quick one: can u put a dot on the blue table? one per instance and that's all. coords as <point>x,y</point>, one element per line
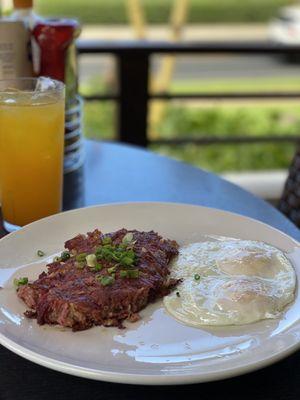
<point>119,173</point>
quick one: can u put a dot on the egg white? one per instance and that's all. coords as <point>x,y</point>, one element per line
<point>241,282</point>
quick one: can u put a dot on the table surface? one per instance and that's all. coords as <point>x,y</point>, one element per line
<point>119,173</point>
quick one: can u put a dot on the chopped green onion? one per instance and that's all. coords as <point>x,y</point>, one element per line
<point>65,255</point>
<point>115,256</point>
<point>105,253</point>
<point>133,273</point>
<point>127,260</point>
<point>91,260</point>
<point>127,239</point>
<point>123,274</point>
<point>98,267</point>
<point>81,257</point>
<point>197,277</point>
<point>56,259</point>
<point>99,257</point>
<point>130,253</point>
<point>79,264</point>
<point>20,281</point>
<point>118,254</point>
<point>40,253</point>
<point>111,270</point>
<point>106,280</point>
<point>106,240</point>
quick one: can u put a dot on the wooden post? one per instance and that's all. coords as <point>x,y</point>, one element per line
<point>136,17</point>
<point>161,82</point>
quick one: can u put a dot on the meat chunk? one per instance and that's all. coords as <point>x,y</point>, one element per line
<point>128,269</point>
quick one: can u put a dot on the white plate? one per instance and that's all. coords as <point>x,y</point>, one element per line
<point>157,349</point>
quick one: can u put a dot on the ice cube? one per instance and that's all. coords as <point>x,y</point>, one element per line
<point>43,84</point>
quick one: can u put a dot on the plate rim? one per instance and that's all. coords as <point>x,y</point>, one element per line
<point>123,203</point>
<point>143,379</point>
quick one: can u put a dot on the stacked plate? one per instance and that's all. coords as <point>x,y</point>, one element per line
<point>74,153</point>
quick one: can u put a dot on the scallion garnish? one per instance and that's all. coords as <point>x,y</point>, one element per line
<point>127,238</point>
<point>133,273</point>
<point>197,277</point>
<point>40,253</point>
<point>106,240</point>
<point>65,255</point>
<point>130,253</point>
<point>123,274</point>
<point>20,281</point>
<point>121,255</point>
<point>91,260</point>
<point>127,261</point>
<point>97,267</point>
<point>81,257</point>
<point>106,280</point>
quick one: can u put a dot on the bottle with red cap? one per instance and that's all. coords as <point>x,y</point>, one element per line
<point>54,55</point>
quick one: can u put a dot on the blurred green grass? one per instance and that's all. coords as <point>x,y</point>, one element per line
<point>158,11</point>
<point>219,121</point>
<point>233,120</point>
<point>213,119</point>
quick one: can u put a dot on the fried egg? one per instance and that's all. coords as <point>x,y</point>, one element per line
<point>230,282</point>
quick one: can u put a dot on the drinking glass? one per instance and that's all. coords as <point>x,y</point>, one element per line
<point>31,149</point>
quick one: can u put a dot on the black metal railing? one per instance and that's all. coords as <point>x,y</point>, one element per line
<point>133,62</point>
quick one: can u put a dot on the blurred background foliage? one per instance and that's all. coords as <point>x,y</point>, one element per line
<point>212,120</point>
<point>158,11</point>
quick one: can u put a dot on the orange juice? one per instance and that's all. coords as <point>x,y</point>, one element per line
<point>31,157</point>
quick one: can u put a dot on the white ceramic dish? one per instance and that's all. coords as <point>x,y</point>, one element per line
<point>157,349</point>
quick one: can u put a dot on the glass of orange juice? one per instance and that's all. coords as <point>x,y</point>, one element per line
<point>31,149</point>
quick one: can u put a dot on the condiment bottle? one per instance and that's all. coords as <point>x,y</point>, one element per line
<point>15,54</point>
<point>54,52</point>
